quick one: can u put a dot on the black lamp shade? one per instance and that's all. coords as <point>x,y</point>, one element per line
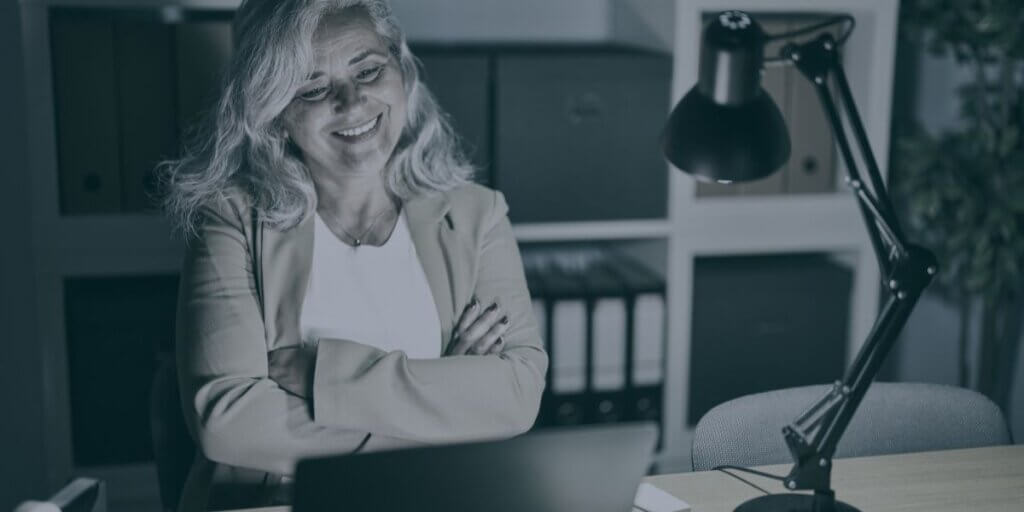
<point>727,128</point>
<point>725,143</point>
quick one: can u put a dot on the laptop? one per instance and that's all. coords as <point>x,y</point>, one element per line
<point>592,469</point>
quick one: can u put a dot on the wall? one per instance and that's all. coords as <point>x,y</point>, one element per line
<point>22,470</point>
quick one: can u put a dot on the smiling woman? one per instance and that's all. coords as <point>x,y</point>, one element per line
<point>348,116</point>
<point>333,294</point>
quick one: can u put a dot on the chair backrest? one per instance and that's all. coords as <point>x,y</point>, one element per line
<point>892,418</point>
<point>173,447</point>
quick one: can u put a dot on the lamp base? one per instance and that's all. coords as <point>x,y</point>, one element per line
<point>794,503</point>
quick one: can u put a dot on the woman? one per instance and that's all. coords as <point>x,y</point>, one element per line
<point>345,288</point>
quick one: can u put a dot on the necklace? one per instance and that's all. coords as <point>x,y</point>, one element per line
<point>358,240</point>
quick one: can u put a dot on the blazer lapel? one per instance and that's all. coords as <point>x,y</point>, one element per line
<point>445,256</point>
<point>286,258</point>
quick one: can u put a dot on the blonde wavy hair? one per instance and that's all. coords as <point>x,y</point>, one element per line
<point>240,143</point>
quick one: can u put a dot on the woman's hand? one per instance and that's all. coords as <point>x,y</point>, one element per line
<point>479,332</point>
<point>292,369</point>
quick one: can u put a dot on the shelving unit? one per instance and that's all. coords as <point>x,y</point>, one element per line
<point>142,244</point>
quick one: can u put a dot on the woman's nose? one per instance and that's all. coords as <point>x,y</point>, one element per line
<point>345,97</point>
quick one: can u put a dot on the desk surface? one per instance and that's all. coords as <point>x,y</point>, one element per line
<point>976,480</point>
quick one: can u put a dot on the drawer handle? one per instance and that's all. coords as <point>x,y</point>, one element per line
<point>810,165</point>
<point>585,107</point>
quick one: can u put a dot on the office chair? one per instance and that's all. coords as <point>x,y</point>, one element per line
<point>893,418</point>
<point>173,447</point>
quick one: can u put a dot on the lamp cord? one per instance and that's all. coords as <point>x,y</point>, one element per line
<point>744,480</point>
<point>726,467</point>
<point>835,20</point>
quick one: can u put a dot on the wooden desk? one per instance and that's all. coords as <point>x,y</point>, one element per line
<point>974,480</point>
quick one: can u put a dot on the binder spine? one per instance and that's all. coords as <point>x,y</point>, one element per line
<point>603,291</point>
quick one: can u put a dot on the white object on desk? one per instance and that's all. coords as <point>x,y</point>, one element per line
<point>77,494</point>
<point>37,506</point>
<point>652,499</point>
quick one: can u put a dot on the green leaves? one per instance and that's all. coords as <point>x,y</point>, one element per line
<point>962,197</point>
<point>1009,141</point>
<point>953,25</point>
<point>962,192</point>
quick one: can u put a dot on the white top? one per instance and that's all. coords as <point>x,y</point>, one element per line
<point>376,296</point>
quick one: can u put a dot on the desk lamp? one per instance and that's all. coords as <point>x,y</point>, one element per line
<point>726,129</point>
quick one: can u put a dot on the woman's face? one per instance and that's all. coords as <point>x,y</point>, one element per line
<point>347,117</point>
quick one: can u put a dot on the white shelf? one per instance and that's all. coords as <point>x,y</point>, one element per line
<point>594,230</point>
<point>771,224</point>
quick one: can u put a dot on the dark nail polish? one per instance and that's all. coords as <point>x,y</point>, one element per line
<point>504,320</point>
<point>499,341</point>
<point>493,307</point>
<point>473,304</point>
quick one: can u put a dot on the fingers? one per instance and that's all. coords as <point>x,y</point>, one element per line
<point>491,337</point>
<point>496,348</point>
<point>483,323</point>
<point>468,315</point>
<point>478,331</point>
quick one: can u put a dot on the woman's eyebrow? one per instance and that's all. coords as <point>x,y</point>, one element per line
<point>364,54</point>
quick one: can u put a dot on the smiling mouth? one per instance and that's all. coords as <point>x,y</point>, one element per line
<point>361,132</point>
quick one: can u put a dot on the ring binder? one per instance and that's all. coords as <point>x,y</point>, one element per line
<point>603,322</point>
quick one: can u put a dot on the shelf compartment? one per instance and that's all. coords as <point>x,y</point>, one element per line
<point>128,84</point>
<point>116,327</point>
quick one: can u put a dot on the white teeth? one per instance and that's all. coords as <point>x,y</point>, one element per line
<point>359,130</point>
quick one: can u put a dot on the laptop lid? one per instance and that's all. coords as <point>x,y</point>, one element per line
<point>593,469</point>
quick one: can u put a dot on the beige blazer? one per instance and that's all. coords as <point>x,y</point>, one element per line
<point>241,290</point>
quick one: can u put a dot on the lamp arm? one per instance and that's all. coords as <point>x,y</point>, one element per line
<point>907,269</point>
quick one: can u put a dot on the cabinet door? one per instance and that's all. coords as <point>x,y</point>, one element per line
<point>578,136</point>
<point>115,328</point>
<point>461,83</point>
<point>765,322</point>
<point>202,51</point>
<point>125,85</point>
<point>87,132</point>
<point>145,81</point>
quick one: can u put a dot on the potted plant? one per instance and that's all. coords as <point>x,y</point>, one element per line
<point>962,191</point>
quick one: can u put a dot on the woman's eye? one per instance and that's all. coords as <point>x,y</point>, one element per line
<point>369,74</point>
<point>314,94</point>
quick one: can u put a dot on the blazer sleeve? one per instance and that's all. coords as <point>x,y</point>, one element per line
<point>236,413</point>
<point>451,399</point>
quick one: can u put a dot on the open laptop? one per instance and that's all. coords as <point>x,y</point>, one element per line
<point>592,469</point>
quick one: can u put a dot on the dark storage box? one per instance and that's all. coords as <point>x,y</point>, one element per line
<point>766,322</point>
